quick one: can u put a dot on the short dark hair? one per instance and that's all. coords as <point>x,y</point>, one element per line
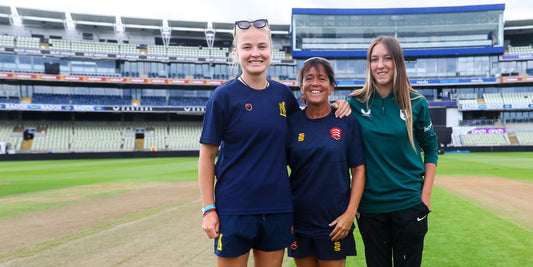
<point>314,62</point>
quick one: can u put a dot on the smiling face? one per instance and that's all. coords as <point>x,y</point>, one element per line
<point>254,50</point>
<point>382,67</point>
<point>316,86</point>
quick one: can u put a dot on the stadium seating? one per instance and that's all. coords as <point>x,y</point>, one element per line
<point>122,48</point>
<point>479,68</point>
<point>184,135</point>
<point>155,135</point>
<point>153,101</point>
<point>187,101</point>
<point>517,98</point>
<point>498,98</point>
<point>485,139</point>
<point>107,136</point>
<point>92,136</point>
<point>7,41</point>
<point>520,50</point>
<point>9,100</point>
<point>466,102</point>
<point>60,45</point>
<point>50,99</point>
<point>28,42</point>
<point>524,138</point>
<point>494,98</point>
<point>58,138</point>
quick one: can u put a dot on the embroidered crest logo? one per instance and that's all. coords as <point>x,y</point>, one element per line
<point>248,106</point>
<point>301,137</point>
<point>402,114</point>
<point>367,113</point>
<point>282,110</point>
<point>294,245</point>
<point>336,133</point>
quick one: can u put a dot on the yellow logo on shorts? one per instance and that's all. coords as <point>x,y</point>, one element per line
<point>219,246</point>
<point>337,246</point>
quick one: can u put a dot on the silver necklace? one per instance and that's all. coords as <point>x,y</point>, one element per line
<point>241,79</point>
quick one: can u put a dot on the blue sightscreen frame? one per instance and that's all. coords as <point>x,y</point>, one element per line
<point>413,52</point>
<point>408,10</point>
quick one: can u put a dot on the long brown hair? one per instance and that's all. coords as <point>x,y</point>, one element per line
<point>401,87</point>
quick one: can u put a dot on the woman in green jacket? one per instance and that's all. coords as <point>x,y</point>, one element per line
<point>396,128</point>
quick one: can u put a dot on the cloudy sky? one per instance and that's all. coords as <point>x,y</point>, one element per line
<point>276,11</point>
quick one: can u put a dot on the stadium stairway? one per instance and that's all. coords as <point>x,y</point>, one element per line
<point>139,144</point>
<point>512,139</point>
<point>26,145</point>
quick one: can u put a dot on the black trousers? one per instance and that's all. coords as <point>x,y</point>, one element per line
<point>394,236</point>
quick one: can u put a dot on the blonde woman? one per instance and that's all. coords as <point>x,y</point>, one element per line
<point>245,125</point>
<point>396,128</point>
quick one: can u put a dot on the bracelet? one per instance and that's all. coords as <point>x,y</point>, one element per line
<point>208,211</point>
<point>206,208</point>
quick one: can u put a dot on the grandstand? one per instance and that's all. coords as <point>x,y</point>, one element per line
<point>73,82</point>
<point>95,136</point>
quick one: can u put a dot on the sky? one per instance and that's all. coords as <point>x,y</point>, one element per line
<point>276,11</point>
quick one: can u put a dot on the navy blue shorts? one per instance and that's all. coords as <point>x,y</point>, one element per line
<point>240,233</point>
<point>322,248</point>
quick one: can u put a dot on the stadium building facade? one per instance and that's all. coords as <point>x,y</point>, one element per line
<point>83,83</point>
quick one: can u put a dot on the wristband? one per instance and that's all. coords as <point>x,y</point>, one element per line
<point>208,211</point>
<point>206,208</point>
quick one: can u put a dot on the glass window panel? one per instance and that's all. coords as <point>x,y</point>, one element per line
<point>421,67</point>
<point>189,69</point>
<point>136,68</point>
<point>24,62</point>
<point>360,68</point>
<point>105,66</point>
<point>410,67</point>
<point>7,61</point>
<point>76,66</point>
<point>38,62</point>
<point>455,29</point>
<point>273,71</point>
<point>126,67</point>
<point>451,67</point>
<point>469,66</point>
<point>441,67</point>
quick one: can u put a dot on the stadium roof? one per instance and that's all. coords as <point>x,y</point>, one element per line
<point>518,26</point>
<point>5,11</point>
<point>93,18</point>
<point>41,14</point>
<point>38,18</point>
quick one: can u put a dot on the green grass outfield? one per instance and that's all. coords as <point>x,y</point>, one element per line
<point>461,233</point>
<point>464,234</point>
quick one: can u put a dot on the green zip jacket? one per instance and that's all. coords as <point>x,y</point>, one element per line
<point>395,171</point>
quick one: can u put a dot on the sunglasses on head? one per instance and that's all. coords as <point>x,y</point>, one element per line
<point>316,59</point>
<point>245,24</point>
